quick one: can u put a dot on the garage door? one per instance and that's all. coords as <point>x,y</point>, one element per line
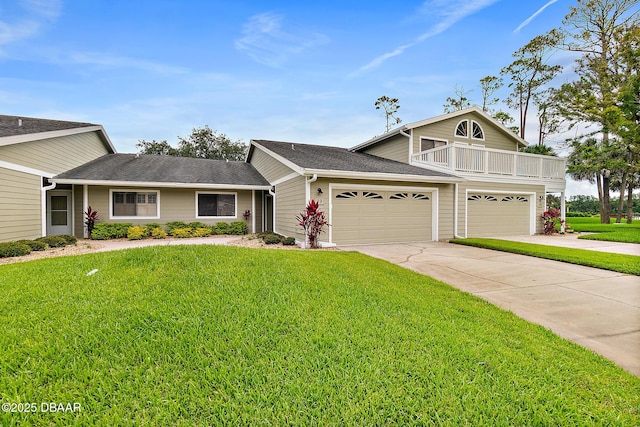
<point>491,215</point>
<point>374,216</point>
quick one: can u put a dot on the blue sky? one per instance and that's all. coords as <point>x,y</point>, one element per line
<point>285,70</point>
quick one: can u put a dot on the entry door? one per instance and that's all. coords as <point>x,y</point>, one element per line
<point>59,213</point>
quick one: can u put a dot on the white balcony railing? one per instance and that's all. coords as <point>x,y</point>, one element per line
<point>469,159</point>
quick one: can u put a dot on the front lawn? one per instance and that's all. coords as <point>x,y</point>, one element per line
<point>210,335</point>
<point>629,264</point>
<point>623,232</point>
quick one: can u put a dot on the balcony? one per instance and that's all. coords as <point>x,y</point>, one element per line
<point>478,160</point>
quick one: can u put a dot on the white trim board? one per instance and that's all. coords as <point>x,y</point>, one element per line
<point>25,169</point>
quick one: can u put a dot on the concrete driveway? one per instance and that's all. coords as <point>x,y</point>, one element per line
<point>597,309</point>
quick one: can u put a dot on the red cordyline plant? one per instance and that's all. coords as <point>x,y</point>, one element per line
<point>313,222</point>
<point>551,219</point>
<point>91,217</point>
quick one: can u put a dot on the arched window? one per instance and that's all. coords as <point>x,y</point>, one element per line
<point>476,130</point>
<point>463,129</point>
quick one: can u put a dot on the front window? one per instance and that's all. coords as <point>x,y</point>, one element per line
<point>134,204</point>
<point>215,205</point>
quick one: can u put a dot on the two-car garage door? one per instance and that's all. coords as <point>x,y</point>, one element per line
<point>377,215</point>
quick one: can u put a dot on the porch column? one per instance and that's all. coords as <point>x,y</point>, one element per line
<point>253,211</point>
<point>85,207</point>
<point>563,208</point>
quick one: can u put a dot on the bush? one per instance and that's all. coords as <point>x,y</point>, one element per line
<point>221,228</point>
<point>175,224</point>
<point>35,245</point>
<point>71,240</point>
<point>551,220</point>
<point>158,233</point>
<point>237,228</point>
<point>113,230</point>
<point>11,249</point>
<point>182,233</point>
<point>136,232</point>
<point>271,238</point>
<point>196,225</point>
<point>289,241</point>
<point>152,226</point>
<point>202,232</point>
<point>53,241</point>
<point>578,214</point>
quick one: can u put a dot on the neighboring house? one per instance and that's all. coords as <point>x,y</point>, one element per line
<point>456,175</point>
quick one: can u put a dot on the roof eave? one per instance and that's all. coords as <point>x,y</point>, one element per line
<point>159,184</point>
<point>379,138</point>
<point>326,173</point>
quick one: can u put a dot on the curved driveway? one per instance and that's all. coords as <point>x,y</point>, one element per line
<point>595,308</point>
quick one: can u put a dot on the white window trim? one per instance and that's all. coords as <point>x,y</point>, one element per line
<point>133,190</point>
<point>446,141</point>
<point>471,131</point>
<point>235,207</point>
<point>455,129</point>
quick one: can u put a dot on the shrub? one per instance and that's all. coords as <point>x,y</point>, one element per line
<point>152,226</point>
<point>175,224</point>
<point>71,240</point>
<point>578,214</point>
<point>221,228</point>
<point>35,245</point>
<point>91,217</point>
<point>289,241</point>
<point>11,249</point>
<point>182,233</point>
<point>197,224</point>
<point>202,232</point>
<point>158,233</point>
<point>313,221</point>
<point>113,230</point>
<point>53,241</point>
<point>136,232</point>
<point>551,220</point>
<point>238,228</point>
<point>272,239</point>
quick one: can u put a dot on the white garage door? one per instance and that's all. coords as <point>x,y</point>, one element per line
<point>490,215</point>
<point>374,216</point>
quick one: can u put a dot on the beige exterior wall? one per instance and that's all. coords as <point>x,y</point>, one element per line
<point>56,155</point>
<point>257,213</point>
<point>494,136</point>
<point>396,148</point>
<point>290,202</point>
<point>175,205</point>
<point>269,167</point>
<point>20,205</point>
<point>500,188</point>
<point>78,212</point>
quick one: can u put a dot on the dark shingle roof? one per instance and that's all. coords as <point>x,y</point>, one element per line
<point>17,125</point>
<point>144,168</point>
<point>341,159</point>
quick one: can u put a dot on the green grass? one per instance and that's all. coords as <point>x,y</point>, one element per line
<point>206,335</point>
<point>629,264</point>
<point>623,232</point>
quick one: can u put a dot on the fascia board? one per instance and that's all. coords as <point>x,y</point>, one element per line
<point>160,184</point>
<point>279,158</point>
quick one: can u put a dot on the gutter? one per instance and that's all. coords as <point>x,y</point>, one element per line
<point>308,181</point>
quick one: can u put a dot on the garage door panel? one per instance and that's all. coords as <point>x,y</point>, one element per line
<point>491,215</point>
<point>374,216</point>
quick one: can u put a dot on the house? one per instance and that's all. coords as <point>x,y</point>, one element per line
<point>456,175</point>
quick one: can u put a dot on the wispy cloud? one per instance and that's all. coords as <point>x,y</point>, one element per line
<point>107,60</point>
<point>532,17</point>
<point>27,20</point>
<point>446,12</point>
<point>266,42</point>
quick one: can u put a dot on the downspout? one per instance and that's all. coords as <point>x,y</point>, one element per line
<point>314,178</point>
<point>43,204</point>
<point>410,144</point>
<point>455,212</point>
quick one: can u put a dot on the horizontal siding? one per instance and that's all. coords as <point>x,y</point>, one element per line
<point>290,202</point>
<point>495,136</point>
<point>78,212</point>
<point>20,206</point>
<point>55,155</point>
<point>175,205</point>
<point>396,148</point>
<point>269,167</point>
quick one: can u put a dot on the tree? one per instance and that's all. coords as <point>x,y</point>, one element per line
<point>459,102</point>
<point>529,72</point>
<point>548,118</point>
<point>506,119</point>
<point>545,150</point>
<point>490,85</point>
<point>203,143</point>
<point>390,106</point>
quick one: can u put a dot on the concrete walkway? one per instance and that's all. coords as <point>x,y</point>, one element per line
<point>572,241</point>
<point>597,309</point>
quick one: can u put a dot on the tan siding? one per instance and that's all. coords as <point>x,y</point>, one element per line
<point>396,148</point>
<point>55,155</point>
<point>257,214</point>
<point>175,205</point>
<point>269,167</point>
<point>290,201</point>
<point>20,206</point>
<point>78,213</point>
<point>445,129</point>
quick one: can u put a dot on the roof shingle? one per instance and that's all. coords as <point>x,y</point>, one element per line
<point>17,125</point>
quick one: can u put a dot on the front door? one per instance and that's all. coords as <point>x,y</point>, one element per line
<point>59,213</point>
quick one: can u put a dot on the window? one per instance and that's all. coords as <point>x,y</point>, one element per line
<point>347,195</point>
<point>215,205</point>
<point>477,131</point>
<point>430,143</point>
<point>134,204</point>
<point>463,129</point>
<point>371,195</point>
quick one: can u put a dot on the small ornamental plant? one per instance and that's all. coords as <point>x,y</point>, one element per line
<point>551,220</point>
<point>313,221</point>
<point>91,217</point>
